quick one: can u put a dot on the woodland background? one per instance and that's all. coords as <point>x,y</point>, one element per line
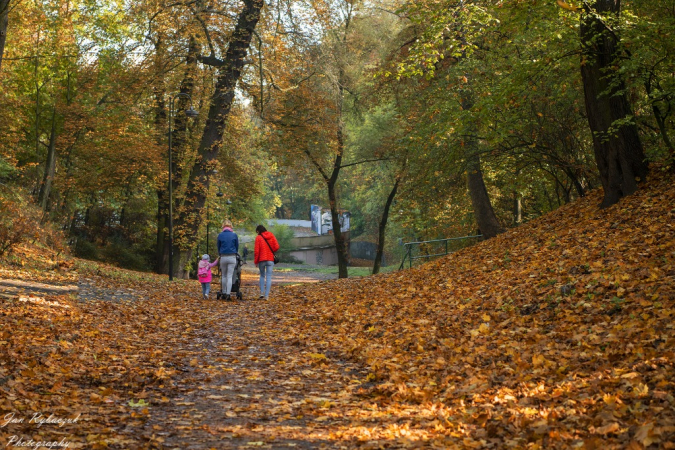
<point>432,118</point>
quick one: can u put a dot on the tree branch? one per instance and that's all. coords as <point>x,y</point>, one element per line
<point>364,161</point>
<point>210,60</point>
<point>317,165</point>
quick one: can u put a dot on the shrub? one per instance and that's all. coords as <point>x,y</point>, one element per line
<point>129,257</point>
<point>19,221</point>
<point>86,250</point>
<point>284,234</point>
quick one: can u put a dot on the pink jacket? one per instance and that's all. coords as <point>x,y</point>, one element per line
<point>205,263</point>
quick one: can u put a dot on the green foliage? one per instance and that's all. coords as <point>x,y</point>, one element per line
<point>6,169</point>
<point>416,90</point>
<point>284,234</point>
<point>86,250</point>
<point>133,258</point>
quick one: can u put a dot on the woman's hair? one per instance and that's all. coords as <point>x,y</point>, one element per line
<point>260,229</point>
<point>227,223</point>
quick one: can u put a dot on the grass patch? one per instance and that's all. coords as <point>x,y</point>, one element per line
<point>115,273</point>
<point>333,270</point>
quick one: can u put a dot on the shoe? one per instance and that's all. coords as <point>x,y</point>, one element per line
<point>228,298</point>
<point>261,297</point>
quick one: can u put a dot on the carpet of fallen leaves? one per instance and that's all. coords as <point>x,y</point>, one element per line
<point>557,334</point>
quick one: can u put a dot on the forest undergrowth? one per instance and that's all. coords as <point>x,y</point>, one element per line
<point>557,334</point>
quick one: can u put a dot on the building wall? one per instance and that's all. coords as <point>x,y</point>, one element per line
<point>291,222</point>
<point>312,241</point>
<point>317,256</point>
<point>364,250</point>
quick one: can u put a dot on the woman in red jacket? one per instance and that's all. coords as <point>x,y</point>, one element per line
<point>263,257</point>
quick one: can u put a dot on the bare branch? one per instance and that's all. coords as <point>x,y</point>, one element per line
<point>364,161</point>
<point>318,166</point>
<point>206,33</point>
<point>295,86</point>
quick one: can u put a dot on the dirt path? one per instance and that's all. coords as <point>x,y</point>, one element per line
<point>248,386</point>
<point>285,274</point>
<point>149,364</point>
<point>93,287</point>
<point>12,288</point>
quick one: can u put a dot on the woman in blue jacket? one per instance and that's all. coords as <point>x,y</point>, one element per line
<point>228,247</point>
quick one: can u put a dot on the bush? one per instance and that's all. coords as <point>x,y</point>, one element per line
<point>284,234</point>
<point>128,257</point>
<point>86,250</point>
<point>288,258</point>
<point>19,221</point>
<point>7,170</point>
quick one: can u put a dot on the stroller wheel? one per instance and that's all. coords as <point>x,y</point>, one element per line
<point>239,295</point>
<point>218,296</point>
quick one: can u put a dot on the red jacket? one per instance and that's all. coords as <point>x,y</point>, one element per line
<point>262,251</point>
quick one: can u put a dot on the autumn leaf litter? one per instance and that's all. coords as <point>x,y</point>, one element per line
<point>558,334</point>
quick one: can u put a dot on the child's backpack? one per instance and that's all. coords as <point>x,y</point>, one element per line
<point>203,272</point>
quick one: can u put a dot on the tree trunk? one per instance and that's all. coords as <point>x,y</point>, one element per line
<point>159,89</point>
<point>340,243</point>
<point>482,208</point>
<point>517,209</point>
<point>480,200</point>
<point>180,154</point>
<point>340,247</point>
<point>658,115</point>
<point>382,226</point>
<point>618,150</point>
<point>4,22</point>
<point>162,242</point>
<point>230,69</point>
<point>574,178</point>
<point>661,121</point>
<point>50,168</point>
<point>37,100</point>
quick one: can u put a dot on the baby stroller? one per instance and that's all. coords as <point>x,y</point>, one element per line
<point>236,281</point>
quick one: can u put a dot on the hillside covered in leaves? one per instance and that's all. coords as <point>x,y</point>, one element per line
<point>557,334</point>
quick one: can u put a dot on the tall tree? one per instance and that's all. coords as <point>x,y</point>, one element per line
<point>4,22</point>
<point>229,68</point>
<point>618,150</point>
<point>453,33</point>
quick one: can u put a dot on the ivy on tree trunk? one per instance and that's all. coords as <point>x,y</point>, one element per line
<point>616,143</point>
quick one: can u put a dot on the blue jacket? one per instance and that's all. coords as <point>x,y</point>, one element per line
<point>228,242</point>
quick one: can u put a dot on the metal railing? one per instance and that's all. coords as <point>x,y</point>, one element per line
<point>410,256</point>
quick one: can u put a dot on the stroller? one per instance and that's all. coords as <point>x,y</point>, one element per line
<point>236,281</point>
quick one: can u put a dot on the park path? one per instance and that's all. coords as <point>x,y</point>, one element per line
<point>245,385</point>
<point>149,364</point>
<point>286,274</point>
<point>96,287</point>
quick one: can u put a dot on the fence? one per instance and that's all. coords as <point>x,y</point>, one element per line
<point>435,248</point>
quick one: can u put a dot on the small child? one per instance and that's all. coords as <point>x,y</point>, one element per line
<point>204,274</point>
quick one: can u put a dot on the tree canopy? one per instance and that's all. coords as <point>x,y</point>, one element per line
<point>423,119</point>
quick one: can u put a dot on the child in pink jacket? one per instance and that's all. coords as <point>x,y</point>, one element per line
<point>204,274</point>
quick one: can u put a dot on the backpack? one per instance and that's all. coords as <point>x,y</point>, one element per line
<point>203,272</point>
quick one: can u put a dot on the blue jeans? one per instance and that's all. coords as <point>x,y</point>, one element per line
<point>206,288</point>
<point>265,277</point>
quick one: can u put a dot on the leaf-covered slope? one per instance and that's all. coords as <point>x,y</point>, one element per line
<point>559,332</point>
